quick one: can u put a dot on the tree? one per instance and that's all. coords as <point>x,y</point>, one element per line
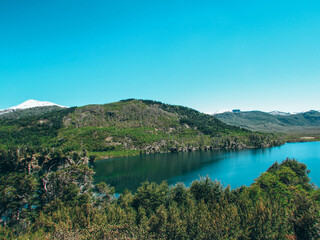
<point>68,184</point>
<point>305,218</point>
<point>17,197</point>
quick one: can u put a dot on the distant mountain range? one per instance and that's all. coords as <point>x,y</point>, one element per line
<point>275,112</point>
<point>127,127</point>
<point>299,123</point>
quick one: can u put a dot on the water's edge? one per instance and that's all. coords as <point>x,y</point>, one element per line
<point>231,167</point>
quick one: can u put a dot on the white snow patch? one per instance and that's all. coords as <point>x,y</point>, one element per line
<point>222,111</point>
<point>33,103</point>
<point>276,112</point>
<point>29,104</point>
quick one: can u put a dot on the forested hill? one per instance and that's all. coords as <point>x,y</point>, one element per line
<point>126,127</point>
<point>301,123</point>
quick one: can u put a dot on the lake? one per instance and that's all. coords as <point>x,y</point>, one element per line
<point>231,167</point>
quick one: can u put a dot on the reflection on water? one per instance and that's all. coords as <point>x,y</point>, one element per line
<point>231,167</point>
<point>131,171</point>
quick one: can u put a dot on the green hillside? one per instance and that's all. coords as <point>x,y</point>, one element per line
<point>307,123</point>
<point>127,127</point>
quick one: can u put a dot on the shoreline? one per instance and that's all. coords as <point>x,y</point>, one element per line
<point>108,157</point>
<point>136,153</point>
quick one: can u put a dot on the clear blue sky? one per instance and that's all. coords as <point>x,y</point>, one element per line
<point>207,55</point>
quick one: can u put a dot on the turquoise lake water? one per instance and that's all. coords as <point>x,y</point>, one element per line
<point>231,167</point>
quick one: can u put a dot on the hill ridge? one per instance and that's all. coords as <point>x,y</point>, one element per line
<point>128,127</point>
<point>299,123</point>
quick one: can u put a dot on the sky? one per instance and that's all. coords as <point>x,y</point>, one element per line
<point>207,55</point>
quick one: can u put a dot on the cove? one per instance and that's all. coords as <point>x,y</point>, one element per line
<point>231,167</point>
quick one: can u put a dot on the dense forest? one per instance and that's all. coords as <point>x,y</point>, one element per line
<point>48,194</point>
<point>128,127</point>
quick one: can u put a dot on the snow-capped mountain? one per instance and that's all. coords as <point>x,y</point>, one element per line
<point>33,103</point>
<point>29,104</point>
<point>290,113</point>
<point>280,113</point>
<point>275,113</point>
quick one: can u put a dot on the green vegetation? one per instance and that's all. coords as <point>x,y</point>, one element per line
<point>19,129</point>
<point>295,126</point>
<point>51,195</point>
<point>29,112</point>
<point>128,127</point>
<point>47,189</point>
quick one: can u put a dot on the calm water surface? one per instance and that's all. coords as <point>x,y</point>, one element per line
<point>234,168</point>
